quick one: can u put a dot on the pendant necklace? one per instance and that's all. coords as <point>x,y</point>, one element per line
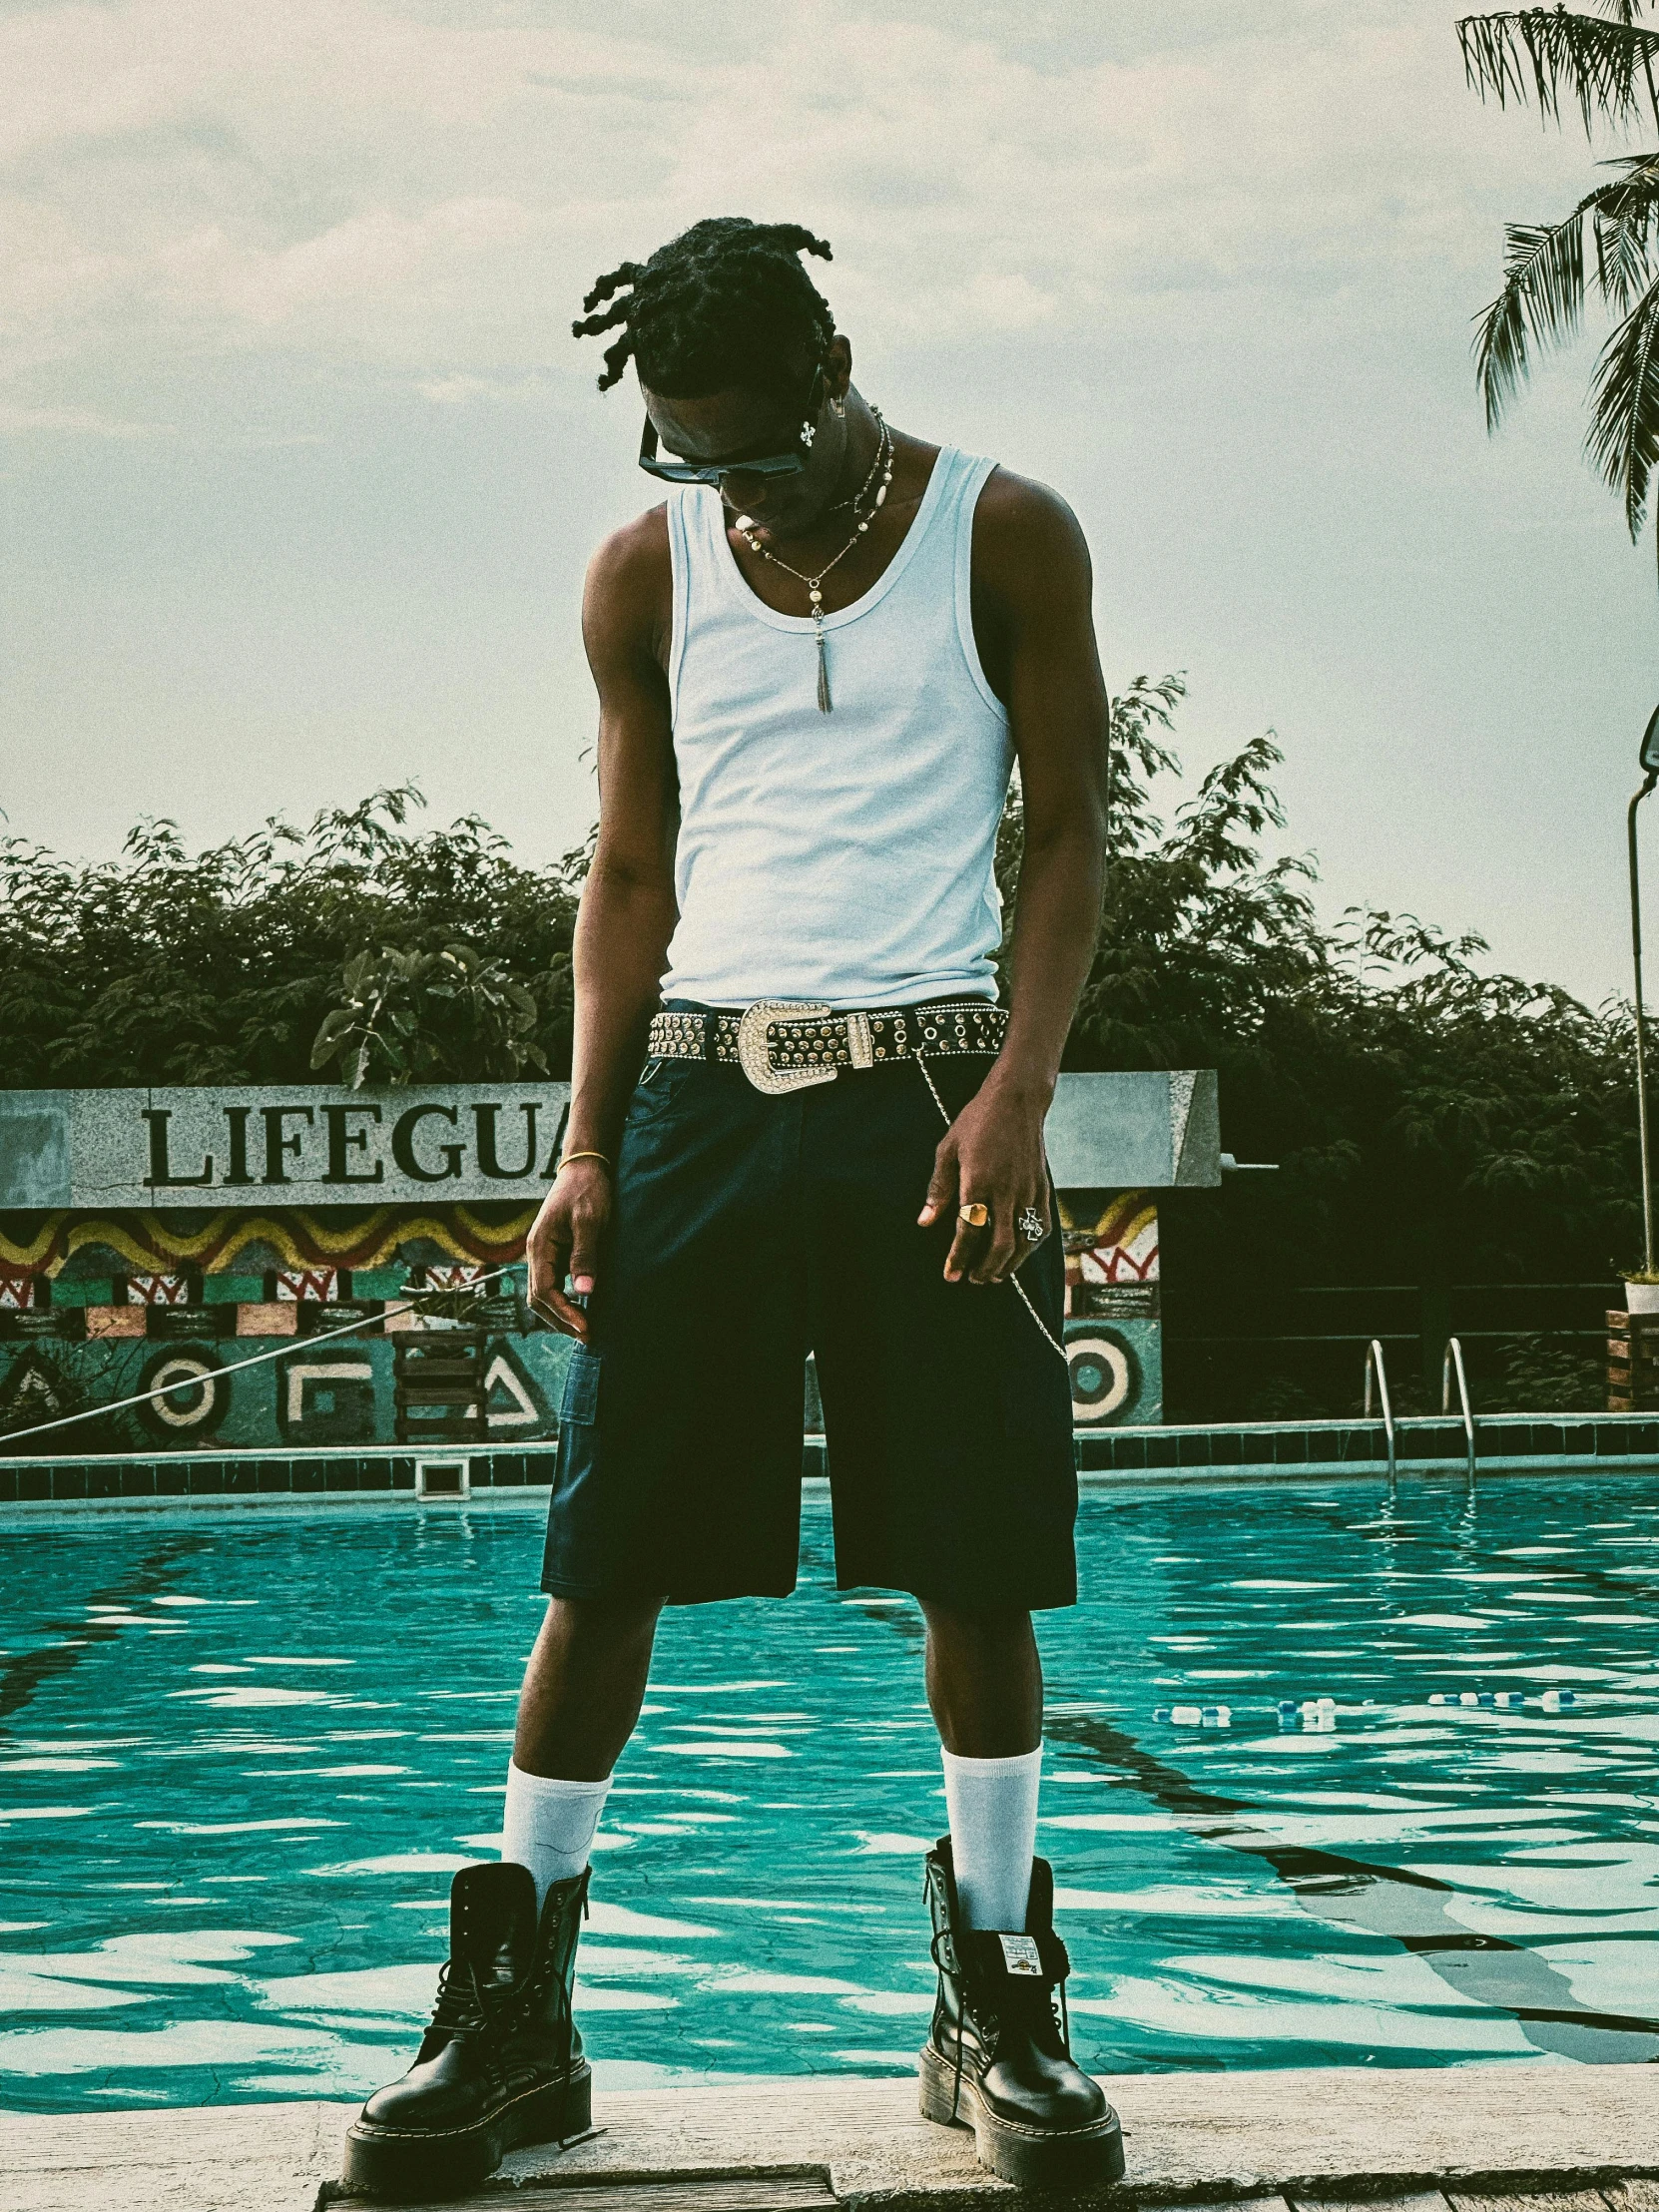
<point>882,467</point>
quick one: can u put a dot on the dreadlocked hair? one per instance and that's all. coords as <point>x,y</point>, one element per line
<point>724,303</point>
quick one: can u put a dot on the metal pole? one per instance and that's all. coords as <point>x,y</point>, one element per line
<point>1651,779</point>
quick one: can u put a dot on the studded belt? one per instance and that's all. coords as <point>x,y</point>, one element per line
<point>785,1044</point>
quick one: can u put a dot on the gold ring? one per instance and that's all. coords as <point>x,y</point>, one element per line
<point>975,1215</point>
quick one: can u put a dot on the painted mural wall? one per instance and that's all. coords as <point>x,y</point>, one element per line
<point>95,1307</point>
<point>154,1238</point>
<point>1114,1329</point>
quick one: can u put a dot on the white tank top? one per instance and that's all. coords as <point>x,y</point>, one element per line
<point>843,857</point>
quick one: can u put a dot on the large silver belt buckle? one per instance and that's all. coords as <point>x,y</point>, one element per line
<point>755,1058</point>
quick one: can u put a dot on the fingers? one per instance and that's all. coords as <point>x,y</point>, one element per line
<point>545,1248</point>
<point>990,1254</point>
<point>558,1313</point>
<point>941,1186</point>
<point>970,1243</point>
<point>565,1241</point>
<point>548,1250</point>
<point>997,1246</point>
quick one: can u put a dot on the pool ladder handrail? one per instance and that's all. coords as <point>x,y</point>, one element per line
<point>1454,1363</point>
<point>1376,1365</point>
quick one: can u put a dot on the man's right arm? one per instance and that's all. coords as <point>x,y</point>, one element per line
<point>627,913</point>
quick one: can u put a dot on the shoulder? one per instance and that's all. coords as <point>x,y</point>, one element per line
<point>1018,519</point>
<point>628,596</point>
<point>634,555</point>
<point>1030,559</point>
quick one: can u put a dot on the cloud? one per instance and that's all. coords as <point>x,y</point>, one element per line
<point>375,186</point>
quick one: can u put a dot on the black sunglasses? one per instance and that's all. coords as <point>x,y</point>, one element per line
<point>711,472</point>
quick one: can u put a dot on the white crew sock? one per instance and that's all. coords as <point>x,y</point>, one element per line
<point>548,1825</point>
<point>993,1833</point>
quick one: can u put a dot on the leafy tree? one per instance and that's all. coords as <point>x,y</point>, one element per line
<point>397,955</point>
<point>1430,1122</point>
<point>1604,66</point>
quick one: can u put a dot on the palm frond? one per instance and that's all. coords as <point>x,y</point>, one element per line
<point>1549,55</point>
<point>1544,277</point>
<point>1540,303</point>
<point>1625,220</point>
<point>1623,438</point>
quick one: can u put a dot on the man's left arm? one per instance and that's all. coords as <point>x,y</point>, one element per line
<point>1032,589</point>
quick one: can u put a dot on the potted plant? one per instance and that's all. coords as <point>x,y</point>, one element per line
<point>1641,1291</point>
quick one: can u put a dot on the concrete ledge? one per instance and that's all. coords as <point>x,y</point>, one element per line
<point>1319,2139</point>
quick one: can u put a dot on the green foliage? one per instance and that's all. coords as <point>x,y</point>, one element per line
<point>1541,1374</point>
<point>410,1015</point>
<point>396,955</point>
<point>1604,66</point>
<point>1432,1121</point>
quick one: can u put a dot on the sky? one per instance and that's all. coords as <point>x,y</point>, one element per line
<point>299,465</point>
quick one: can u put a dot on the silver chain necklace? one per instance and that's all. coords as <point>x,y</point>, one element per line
<point>883,467</point>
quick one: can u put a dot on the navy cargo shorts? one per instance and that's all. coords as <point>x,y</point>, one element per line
<point>746,1230</point>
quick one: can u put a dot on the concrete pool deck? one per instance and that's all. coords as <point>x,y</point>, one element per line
<point>1521,2137</point>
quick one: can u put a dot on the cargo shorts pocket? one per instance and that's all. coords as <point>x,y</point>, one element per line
<point>580,1399</point>
<point>662,1083</point>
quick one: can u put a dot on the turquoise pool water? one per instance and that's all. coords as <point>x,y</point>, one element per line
<point>242,1751</point>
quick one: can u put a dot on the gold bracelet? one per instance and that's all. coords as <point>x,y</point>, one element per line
<point>569,1156</point>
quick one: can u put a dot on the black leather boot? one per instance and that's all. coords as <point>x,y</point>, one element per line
<point>501,2064</point>
<point>999,2059</point>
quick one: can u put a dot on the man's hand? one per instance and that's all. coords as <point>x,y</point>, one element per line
<point>993,1156</point>
<point>565,1239</point>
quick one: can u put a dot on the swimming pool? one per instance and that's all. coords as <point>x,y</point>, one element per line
<point>240,1753</point>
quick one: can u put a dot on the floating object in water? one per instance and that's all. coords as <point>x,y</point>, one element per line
<point>1160,1712</point>
<point>1557,1701</point>
<point>1510,1697</point>
<point>1218,1716</point>
<point>1187,1716</point>
<point>1468,1697</point>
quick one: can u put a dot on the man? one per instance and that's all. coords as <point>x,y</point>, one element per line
<point>817,665</point>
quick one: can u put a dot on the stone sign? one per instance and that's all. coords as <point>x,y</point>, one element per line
<point>312,1145</point>
<point>306,1145</point>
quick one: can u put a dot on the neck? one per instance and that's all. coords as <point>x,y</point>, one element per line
<point>864,440</point>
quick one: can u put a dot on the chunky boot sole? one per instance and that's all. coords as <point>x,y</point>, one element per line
<point>1033,2157</point>
<point>410,2165</point>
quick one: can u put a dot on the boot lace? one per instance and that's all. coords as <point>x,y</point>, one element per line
<point>467,2007</point>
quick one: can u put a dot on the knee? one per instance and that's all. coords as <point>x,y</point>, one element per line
<point>595,1625</point>
<point>987,1631</point>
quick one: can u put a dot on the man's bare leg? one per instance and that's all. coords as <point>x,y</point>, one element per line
<point>584,1687</point>
<point>984,1681</point>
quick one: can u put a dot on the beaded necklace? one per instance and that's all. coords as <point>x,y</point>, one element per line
<point>883,467</point>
